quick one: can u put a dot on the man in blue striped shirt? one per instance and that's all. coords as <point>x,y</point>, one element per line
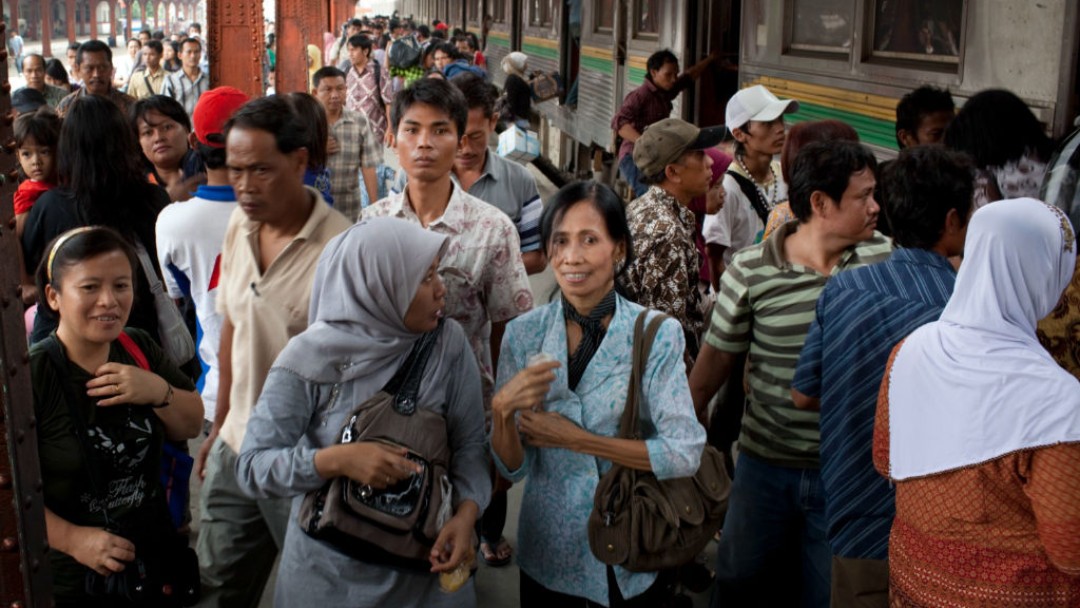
<point>861,315</point>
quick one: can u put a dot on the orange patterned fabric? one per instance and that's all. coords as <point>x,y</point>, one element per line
<point>1003,534</point>
<point>1059,332</point>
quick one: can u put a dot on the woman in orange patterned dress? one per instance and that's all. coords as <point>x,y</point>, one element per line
<point>980,429</point>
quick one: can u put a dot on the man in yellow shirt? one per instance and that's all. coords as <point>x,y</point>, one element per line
<point>150,79</point>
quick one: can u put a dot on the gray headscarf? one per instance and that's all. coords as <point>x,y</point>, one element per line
<point>366,278</point>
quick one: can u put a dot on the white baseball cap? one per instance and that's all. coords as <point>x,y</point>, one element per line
<point>756,103</point>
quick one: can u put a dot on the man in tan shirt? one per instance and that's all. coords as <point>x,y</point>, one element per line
<point>267,264</point>
<point>149,80</point>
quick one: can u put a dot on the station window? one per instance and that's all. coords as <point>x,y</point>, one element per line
<point>823,26</point>
<point>540,13</point>
<point>605,15</point>
<point>922,30</point>
<point>647,19</point>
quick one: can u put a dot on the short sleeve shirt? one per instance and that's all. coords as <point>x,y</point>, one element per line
<point>268,308</point>
<point>357,147</point>
<point>485,279</point>
<point>765,306</point>
<point>185,90</point>
<point>370,96</point>
<point>737,226</point>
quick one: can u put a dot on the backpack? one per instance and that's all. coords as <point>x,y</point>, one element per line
<point>404,53</point>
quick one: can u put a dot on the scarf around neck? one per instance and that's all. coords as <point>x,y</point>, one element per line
<point>592,334</point>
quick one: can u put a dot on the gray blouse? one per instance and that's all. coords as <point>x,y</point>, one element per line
<point>294,418</point>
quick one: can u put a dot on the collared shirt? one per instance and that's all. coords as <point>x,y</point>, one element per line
<point>357,147</point>
<point>121,99</point>
<point>364,98</point>
<point>664,273</point>
<point>644,106</point>
<point>181,88</point>
<point>861,315</point>
<point>53,95</point>
<point>266,308</point>
<point>766,305</point>
<point>485,279</point>
<point>508,186</point>
<point>144,83</point>
<point>737,225</point>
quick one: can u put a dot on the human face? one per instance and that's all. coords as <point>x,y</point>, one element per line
<point>463,47</point>
<point>331,93</point>
<point>168,52</point>
<point>164,141</point>
<point>855,217</point>
<point>96,73</point>
<point>72,55</point>
<point>584,256</point>
<point>152,58</point>
<point>473,151</point>
<point>267,181</point>
<point>94,298</point>
<point>38,162</point>
<point>763,137</point>
<point>693,173</point>
<point>358,55</point>
<point>665,77</point>
<point>441,59</point>
<point>34,72</point>
<point>932,127</point>
<point>133,47</point>
<point>428,304</point>
<point>144,37</point>
<point>426,142</point>
<point>190,55</point>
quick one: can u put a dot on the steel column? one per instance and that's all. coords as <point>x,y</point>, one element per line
<point>46,28</point>
<point>13,7</point>
<point>93,19</point>
<point>70,19</point>
<point>299,23</point>
<point>112,20</point>
<point>24,576</point>
<point>235,31</point>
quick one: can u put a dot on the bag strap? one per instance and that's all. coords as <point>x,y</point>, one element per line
<point>59,361</point>
<point>643,341</point>
<point>148,269</point>
<point>753,194</point>
<point>405,385</point>
<point>133,350</point>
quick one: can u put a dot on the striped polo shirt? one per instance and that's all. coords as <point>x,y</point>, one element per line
<point>766,305</point>
<point>861,316</point>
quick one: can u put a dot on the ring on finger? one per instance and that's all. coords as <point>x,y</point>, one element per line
<point>116,389</point>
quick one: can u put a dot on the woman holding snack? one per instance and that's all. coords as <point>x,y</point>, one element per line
<point>563,377</point>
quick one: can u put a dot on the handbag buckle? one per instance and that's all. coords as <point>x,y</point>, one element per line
<point>609,518</point>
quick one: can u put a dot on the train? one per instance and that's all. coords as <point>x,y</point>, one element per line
<point>850,60</point>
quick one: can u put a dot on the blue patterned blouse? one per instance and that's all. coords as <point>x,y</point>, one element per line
<point>552,531</point>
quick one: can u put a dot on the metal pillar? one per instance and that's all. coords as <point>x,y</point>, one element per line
<point>112,20</point>
<point>235,31</point>
<point>93,19</point>
<point>13,8</point>
<point>46,28</point>
<point>299,23</point>
<point>24,576</point>
<point>70,4</point>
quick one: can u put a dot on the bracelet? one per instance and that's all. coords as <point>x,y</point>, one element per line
<point>168,397</point>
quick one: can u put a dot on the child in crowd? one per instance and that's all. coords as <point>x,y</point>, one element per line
<point>36,134</point>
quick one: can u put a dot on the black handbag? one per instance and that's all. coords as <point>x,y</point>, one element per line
<point>165,571</point>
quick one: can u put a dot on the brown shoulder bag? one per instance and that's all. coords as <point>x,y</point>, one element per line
<point>645,524</point>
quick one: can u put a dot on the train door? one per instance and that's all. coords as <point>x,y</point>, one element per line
<point>714,25</point>
<point>571,50</point>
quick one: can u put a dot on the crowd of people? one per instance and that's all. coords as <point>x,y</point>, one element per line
<point>892,346</point>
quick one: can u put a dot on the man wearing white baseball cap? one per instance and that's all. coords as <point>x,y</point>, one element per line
<point>753,184</point>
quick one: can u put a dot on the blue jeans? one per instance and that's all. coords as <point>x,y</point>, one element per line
<point>774,539</point>
<point>632,175</point>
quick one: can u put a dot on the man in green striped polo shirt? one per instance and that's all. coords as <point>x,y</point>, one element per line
<point>765,306</point>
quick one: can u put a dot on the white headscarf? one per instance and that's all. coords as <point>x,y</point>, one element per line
<point>365,281</point>
<point>515,63</point>
<point>976,384</point>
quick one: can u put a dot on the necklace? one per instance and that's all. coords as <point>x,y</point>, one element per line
<point>770,200</point>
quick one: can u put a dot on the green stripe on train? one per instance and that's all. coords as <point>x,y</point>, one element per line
<point>600,65</point>
<point>873,131</point>
<point>636,76</point>
<point>504,42</point>
<point>541,51</point>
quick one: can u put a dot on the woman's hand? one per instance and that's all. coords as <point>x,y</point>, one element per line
<point>116,383</point>
<point>526,390</point>
<point>454,545</point>
<point>368,462</point>
<point>547,430</point>
<point>99,550</point>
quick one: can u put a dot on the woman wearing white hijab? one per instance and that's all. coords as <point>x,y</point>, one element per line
<point>376,292</point>
<point>980,429</point>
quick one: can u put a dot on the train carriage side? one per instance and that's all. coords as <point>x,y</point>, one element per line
<point>498,43</point>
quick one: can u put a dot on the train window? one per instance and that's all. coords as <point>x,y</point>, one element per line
<point>473,8</point>
<point>647,19</point>
<point>498,11</point>
<point>822,25</point>
<point>540,13</point>
<point>605,15</point>
<point>924,30</point>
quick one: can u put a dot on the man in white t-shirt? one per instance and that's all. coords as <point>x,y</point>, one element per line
<point>190,233</point>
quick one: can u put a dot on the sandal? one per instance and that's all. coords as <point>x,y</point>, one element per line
<point>500,556</point>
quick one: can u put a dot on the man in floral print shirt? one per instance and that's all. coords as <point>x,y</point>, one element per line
<point>664,273</point>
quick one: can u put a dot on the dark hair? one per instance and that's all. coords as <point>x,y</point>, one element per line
<point>155,45</point>
<point>433,92</point>
<point>994,127</point>
<point>354,22</point>
<point>42,125</point>
<point>920,187</point>
<point>448,48</point>
<point>196,25</point>
<point>438,35</point>
<point>309,110</point>
<point>658,59</point>
<point>80,247</point>
<point>158,35</point>
<point>361,41</point>
<point>162,104</point>
<point>478,93</point>
<point>606,202</point>
<point>805,133</point>
<point>93,46</point>
<point>190,40</point>
<point>424,31</point>
<point>326,72</point>
<point>275,115</point>
<point>825,166</point>
<point>31,56</point>
<point>919,104</point>
<point>213,158</point>
<point>56,70</point>
<point>74,46</point>
<point>136,40</point>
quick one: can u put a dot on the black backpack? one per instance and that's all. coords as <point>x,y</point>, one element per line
<point>404,53</point>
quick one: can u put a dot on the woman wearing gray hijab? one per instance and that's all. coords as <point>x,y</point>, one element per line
<point>376,292</point>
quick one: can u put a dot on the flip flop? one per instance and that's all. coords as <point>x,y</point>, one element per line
<point>494,560</point>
